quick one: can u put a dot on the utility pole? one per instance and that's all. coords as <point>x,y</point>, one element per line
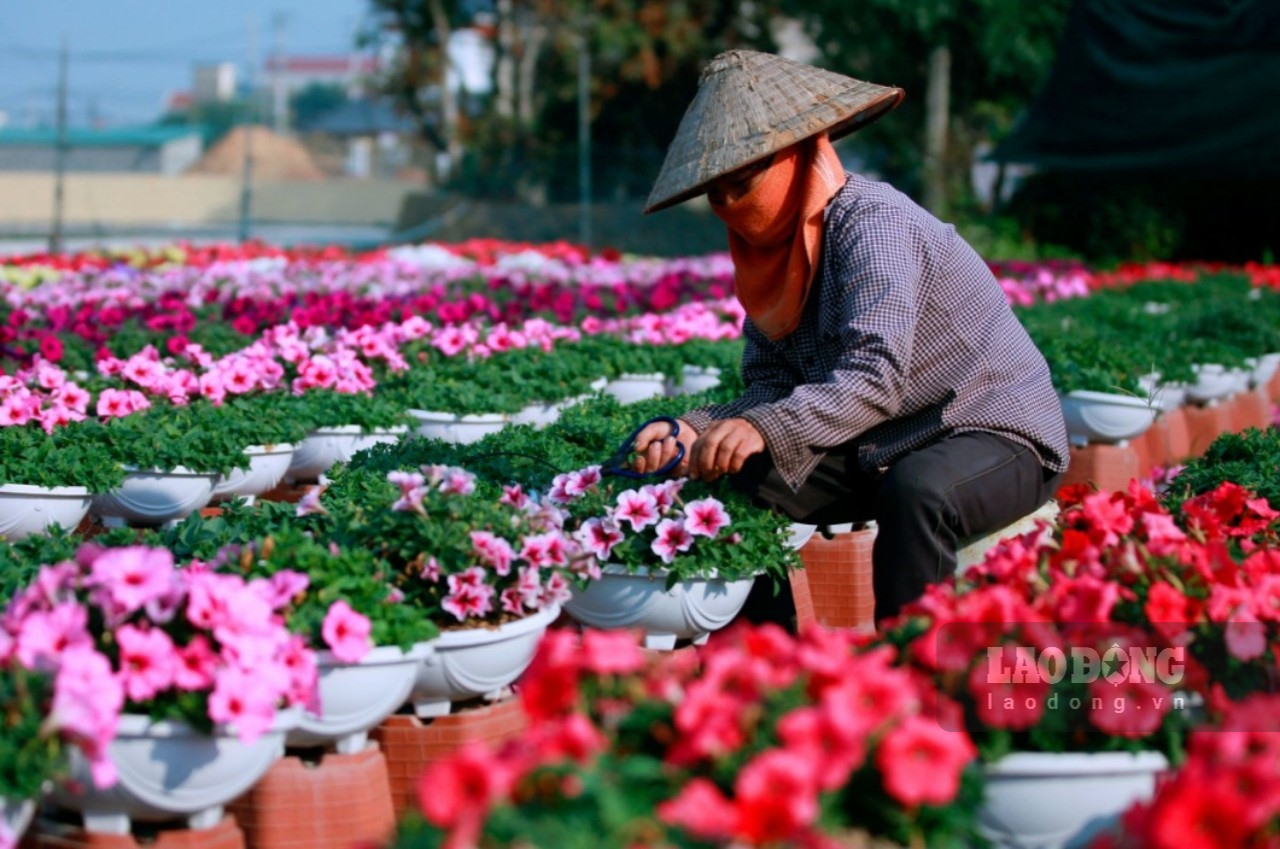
<point>279,89</point>
<point>60,151</point>
<point>584,140</point>
<point>246,174</point>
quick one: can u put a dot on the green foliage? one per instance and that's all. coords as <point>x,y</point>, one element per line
<point>70,456</point>
<point>319,408</point>
<point>31,753</point>
<point>1250,459</point>
<point>1000,53</point>
<point>199,436</point>
<point>336,573</point>
<point>586,434</point>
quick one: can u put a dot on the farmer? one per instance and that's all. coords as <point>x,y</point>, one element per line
<point>886,377</point>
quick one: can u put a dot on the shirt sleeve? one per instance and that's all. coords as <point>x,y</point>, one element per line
<point>877,273</point>
<point>764,373</point>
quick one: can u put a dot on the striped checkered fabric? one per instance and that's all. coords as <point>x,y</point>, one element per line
<point>906,338</point>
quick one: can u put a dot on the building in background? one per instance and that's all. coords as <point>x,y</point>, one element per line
<point>146,150</point>
<point>213,83</point>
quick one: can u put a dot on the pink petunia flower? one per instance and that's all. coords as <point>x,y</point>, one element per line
<point>148,661</point>
<point>346,632</point>
<point>706,517</point>
<point>637,508</point>
<point>672,538</point>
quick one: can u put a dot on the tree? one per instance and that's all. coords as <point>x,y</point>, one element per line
<point>645,58</point>
<point>309,103</point>
<point>988,57</point>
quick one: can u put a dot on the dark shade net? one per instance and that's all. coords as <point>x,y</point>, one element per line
<point>1157,85</point>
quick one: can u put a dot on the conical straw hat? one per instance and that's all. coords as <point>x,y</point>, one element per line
<point>750,105</point>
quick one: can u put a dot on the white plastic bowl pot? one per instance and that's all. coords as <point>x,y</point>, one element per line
<point>462,430</point>
<point>325,447</point>
<point>696,379</point>
<point>1166,396</point>
<point>1062,800</point>
<point>1105,416</point>
<point>267,465</point>
<point>537,414</point>
<point>477,662</point>
<point>630,388</point>
<point>1264,368</point>
<point>690,610</point>
<point>1213,381</point>
<point>29,510</point>
<point>151,497</point>
<point>355,697</point>
<point>169,771</point>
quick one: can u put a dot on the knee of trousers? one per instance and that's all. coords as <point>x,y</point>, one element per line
<point>905,491</point>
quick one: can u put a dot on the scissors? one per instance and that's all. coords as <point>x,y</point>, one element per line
<point>616,464</point>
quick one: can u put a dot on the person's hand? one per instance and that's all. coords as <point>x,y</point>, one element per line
<point>655,447</point>
<point>723,449</point>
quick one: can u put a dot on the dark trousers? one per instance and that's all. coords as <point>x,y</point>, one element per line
<point>962,486</point>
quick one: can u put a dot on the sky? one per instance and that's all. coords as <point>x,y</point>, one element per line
<point>128,56</point>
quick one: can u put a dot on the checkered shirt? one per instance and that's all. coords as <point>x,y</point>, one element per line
<point>906,337</point>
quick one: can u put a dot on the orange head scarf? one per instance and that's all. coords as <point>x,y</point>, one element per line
<point>775,233</point>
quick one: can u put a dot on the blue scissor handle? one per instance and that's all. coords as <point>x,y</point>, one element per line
<point>614,466</point>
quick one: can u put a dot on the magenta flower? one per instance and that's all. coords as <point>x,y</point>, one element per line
<point>544,550</point>
<point>515,496</point>
<point>196,666</point>
<point>133,576</point>
<point>44,636</point>
<point>705,517</point>
<point>466,600</point>
<point>493,551</point>
<point>244,699</point>
<point>87,699</point>
<point>147,661</point>
<point>637,508</point>
<point>672,538</point>
<point>598,536</point>
<point>346,632</point>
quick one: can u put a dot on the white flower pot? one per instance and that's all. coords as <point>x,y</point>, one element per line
<point>1263,368</point>
<point>696,379</point>
<point>169,771</point>
<point>1214,381</point>
<point>691,609</point>
<point>462,430</point>
<point>325,447</point>
<point>1054,800</point>
<point>15,816</point>
<point>1105,417</point>
<point>477,662</point>
<point>28,510</point>
<point>539,415</point>
<point>355,697</point>
<point>1165,396</point>
<point>630,388</point>
<point>151,497</point>
<point>267,465</point>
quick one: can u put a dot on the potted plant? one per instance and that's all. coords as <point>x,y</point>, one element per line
<point>49,480</point>
<point>1082,653</point>
<point>704,361</point>
<point>670,559</point>
<point>1228,788</point>
<point>270,420</point>
<point>188,666</point>
<point>454,399</point>
<point>491,571</point>
<point>760,739</point>
<point>33,751</point>
<point>340,424</point>
<point>370,641</point>
<point>636,372</point>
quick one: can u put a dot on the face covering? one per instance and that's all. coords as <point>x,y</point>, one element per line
<point>775,233</point>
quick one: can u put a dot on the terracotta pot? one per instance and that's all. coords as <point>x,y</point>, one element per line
<point>835,586</point>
